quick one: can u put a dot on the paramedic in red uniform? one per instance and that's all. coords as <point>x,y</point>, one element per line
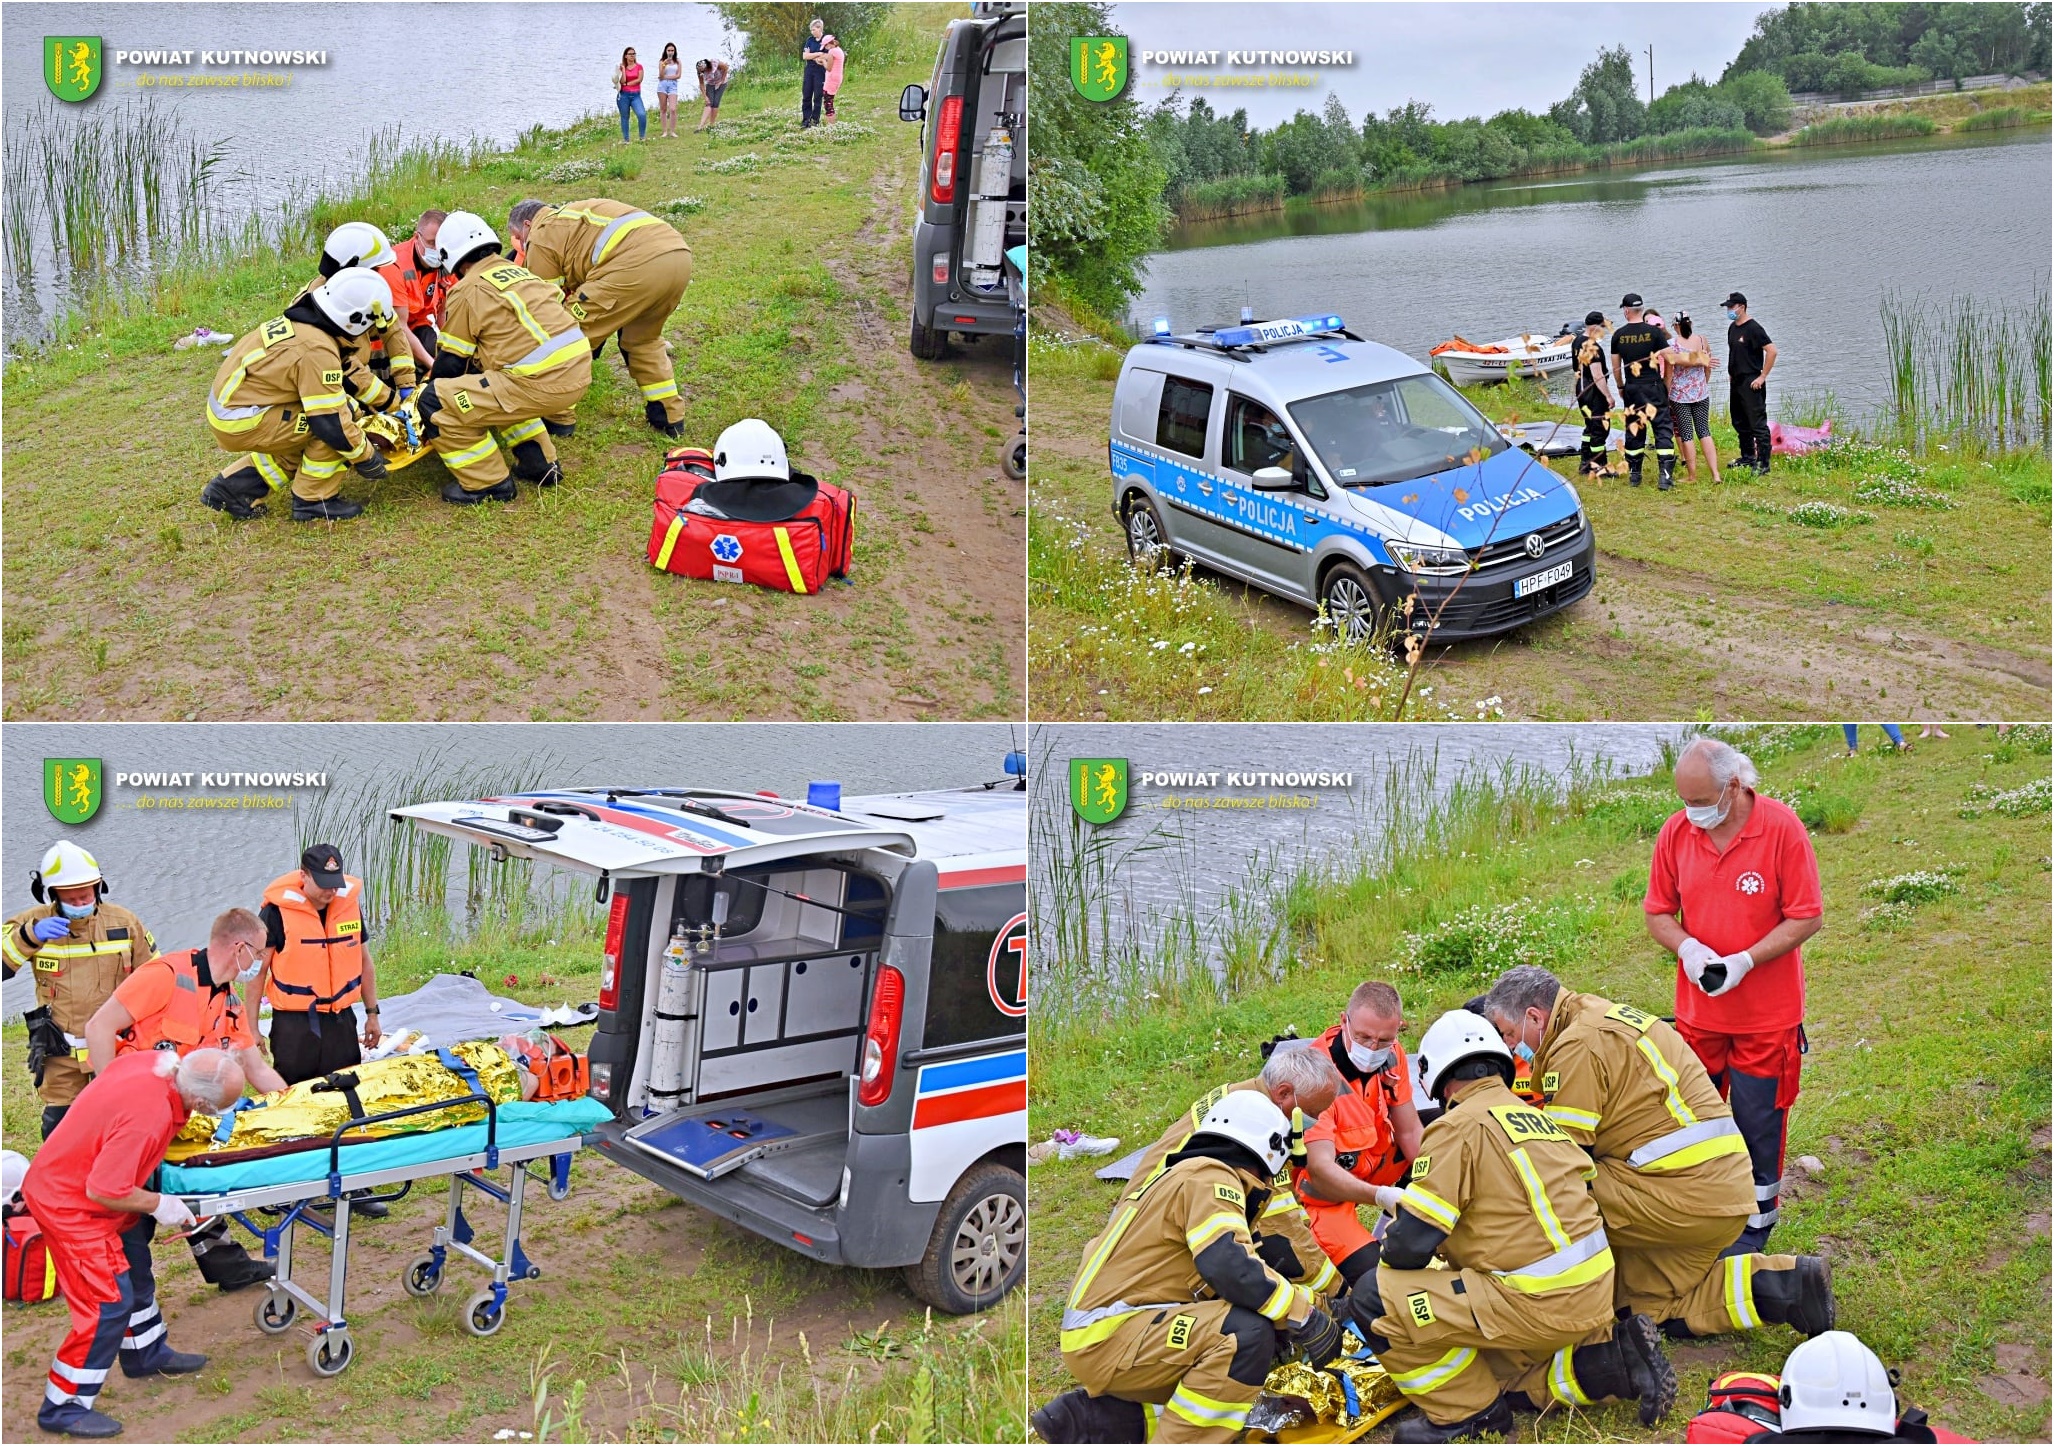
<point>1364,1142</point>
<point>89,1190</point>
<point>1732,892</point>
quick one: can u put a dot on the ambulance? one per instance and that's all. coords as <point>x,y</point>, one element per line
<point>812,1018</point>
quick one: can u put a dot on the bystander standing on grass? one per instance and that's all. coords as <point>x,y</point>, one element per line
<point>1890,731</point>
<point>812,74</point>
<point>1690,394</point>
<point>627,94</point>
<point>713,76</point>
<point>831,85</point>
<point>669,71</point>
<point>1750,357</point>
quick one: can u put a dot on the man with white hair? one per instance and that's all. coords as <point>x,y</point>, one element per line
<point>1733,891</point>
<point>89,1190</point>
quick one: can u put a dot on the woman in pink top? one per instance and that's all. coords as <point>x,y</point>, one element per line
<point>835,57</point>
<point>627,87</point>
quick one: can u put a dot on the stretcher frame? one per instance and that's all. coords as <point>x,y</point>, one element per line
<point>332,1348</point>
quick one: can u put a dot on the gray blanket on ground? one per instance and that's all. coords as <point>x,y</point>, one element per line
<point>451,1007</point>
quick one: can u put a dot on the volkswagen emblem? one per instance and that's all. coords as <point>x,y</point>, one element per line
<point>1535,546</point>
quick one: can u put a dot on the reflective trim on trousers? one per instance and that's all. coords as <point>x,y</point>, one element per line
<point>521,431</point>
<point>1201,1410</point>
<point>1562,1382</point>
<point>1739,1292</point>
<point>273,474</point>
<point>476,452</point>
<point>660,391</point>
<point>1431,1377</point>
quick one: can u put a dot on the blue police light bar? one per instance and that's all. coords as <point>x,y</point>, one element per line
<point>1161,326</point>
<point>1266,331</point>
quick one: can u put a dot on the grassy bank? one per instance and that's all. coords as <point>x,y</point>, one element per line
<point>1844,130</point>
<point>147,605</point>
<point>1925,1093</point>
<point>1867,578</point>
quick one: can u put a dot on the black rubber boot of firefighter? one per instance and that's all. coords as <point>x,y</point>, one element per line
<point>222,1260</point>
<point>1801,1299</point>
<point>531,466</point>
<point>328,509</point>
<point>1493,1420</point>
<point>240,494</point>
<point>1078,1418</point>
<point>654,412</point>
<point>559,429</point>
<point>454,492</point>
<point>1667,477</point>
<point>1653,1379</point>
<point>1365,1306</point>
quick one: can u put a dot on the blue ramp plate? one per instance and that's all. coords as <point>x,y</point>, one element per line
<point>704,1142</point>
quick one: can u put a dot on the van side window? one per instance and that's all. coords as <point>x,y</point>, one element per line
<point>863,925</point>
<point>694,907</point>
<point>1256,437</point>
<point>976,985</point>
<point>1180,425</point>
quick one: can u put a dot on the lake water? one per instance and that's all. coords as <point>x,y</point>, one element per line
<point>179,869</point>
<point>1814,238</point>
<point>447,71</point>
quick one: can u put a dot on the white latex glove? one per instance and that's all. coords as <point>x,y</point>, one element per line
<point>1737,966</point>
<point>1387,1197</point>
<point>171,1211</point>
<point>1693,956</point>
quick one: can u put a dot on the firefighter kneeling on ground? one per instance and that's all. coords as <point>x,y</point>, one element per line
<point>1524,1313</point>
<point>378,367</point>
<point>278,401</point>
<point>512,368</point>
<point>1173,1308</point>
<point>1674,1182</point>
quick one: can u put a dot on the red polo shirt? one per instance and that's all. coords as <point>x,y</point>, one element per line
<point>111,1141</point>
<point>1729,902</point>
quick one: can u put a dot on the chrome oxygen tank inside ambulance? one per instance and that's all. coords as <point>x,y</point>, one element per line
<point>812,1020</point>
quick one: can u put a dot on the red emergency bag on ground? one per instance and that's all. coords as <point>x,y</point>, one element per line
<point>791,536</point>
<point>1745,1406</point>
<point>30,1273</point>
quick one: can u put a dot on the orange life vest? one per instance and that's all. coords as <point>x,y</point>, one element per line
<point>1360,1118</point>
<point>198,1016</point>
<point>321,965</point>
<point>416,287</point>
<point>560,1072</point>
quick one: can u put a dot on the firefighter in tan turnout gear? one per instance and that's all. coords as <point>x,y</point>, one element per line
<point>279,402</point>
<point>378,367</point>
<point>1173,1308</point>
<point>1674,1182</point>
<point>1499,1192</point>
<point>511,358</point>
<point>1301,1082</point>
<point>622,271</point>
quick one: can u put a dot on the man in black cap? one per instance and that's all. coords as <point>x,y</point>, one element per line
<point>1593,395</point>
<point>1643,392</point>
<point>1750,357</point>
<point>317,967</point>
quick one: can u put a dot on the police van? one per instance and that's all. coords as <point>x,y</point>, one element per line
<point>812,1020</point>
<point>1341,474</point>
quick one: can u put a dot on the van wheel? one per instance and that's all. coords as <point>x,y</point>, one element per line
<point>979,1248</point>
<point>1148,541</point>
<point>928,344</point>
<point>1351,605</point>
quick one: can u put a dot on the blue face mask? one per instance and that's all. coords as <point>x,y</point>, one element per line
<point>1732,315</point>
<point>77,911</point>
<point>1524,1051</point>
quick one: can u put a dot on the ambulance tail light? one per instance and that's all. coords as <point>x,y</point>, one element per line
<point>941,268</point>
<point>948,150</point>
<point>601,1087</point>
<point>609,963</point>
<point>881,1038</point>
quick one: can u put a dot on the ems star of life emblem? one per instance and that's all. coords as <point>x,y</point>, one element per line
<point>1749,882</point>
<point>727,547</point>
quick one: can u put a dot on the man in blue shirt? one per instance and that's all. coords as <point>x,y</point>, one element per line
<point>813,85</point>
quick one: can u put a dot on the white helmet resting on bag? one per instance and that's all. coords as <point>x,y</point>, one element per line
<point>1456,1036</point>
<point>1835,1382</point>
<point>354,299</point>
<point>1248,1118</point>
<point>750,448</point>
<point>355,243</point>
<point>460,235</point>
<point>65,866</point>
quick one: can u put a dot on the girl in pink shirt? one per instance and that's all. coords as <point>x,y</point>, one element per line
<point>835,57</point>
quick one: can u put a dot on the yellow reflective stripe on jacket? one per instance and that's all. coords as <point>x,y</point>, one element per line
<point>1537,1196</point>
<point>241,372</point>
<point>86,950</point>
<point>1430,1206</point>
<point>616,229</point>
<point>1202,1234</point>
<point>1203,1411</point>
<point>1739,1292</point>
<point>456,345</point>
<point>1278,1306</point>
<point>1096,1261</point>
<point>555,352</point>
<point>12,951</point>
<point>1674,1097</point>
<point>784,550</point>
<point>1282,1202</point>
<point>1429,1378</point>
<point>1581,1119</point>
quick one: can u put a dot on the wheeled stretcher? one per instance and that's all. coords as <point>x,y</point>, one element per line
<point>273,1197</point>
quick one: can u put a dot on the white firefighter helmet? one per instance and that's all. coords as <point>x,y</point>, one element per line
<point>14,1168</point>
<point>66,866</point>
<point>461,233</point>
<point>1456,1036</point>
<point>354,299</point>
<point>1835,1382</point>
<point>750,448</point>
<point>356,243</point>
<point>1248,1118</point>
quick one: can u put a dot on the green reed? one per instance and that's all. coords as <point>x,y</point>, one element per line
<point>1968,374</point>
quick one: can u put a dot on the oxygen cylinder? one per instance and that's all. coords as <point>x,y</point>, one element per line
<point>673,1013</point>
<point>986,244</point>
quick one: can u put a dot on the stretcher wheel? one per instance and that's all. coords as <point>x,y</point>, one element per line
<point>559,1193</point>
<point>1014,461</point>
<point>330,1354</point>
<point>423,1276</point>
<point>275,1313</point>
<point>483,1315</point>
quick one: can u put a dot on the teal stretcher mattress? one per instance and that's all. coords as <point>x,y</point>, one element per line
<point>519,1124</point>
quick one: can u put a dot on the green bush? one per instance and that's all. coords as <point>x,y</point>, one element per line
<point>778,32</point>
<point>1824,808</point>
<point>1842,130</point>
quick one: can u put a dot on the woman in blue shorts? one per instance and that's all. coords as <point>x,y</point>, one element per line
<point>669,71</point>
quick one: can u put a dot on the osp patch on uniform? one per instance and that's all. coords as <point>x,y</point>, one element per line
<point>331,379</point>
<point>1421,1307</point>
<point>1421,1165</point>
<point>299,425</point>
<point>1180,1331</point>
<point>576,308</point>
<point>1551,1081</point>
<point>463,402</point>
<point>1229,1194</point>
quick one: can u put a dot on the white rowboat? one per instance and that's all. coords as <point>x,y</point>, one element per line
<point>1529,355</point>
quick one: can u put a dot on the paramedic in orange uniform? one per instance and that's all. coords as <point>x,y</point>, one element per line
<point>1370,1134</point>
<point>89,1190</point>
<point>1733,890</point>
<point>186,1001</point>
<point>419,285</point>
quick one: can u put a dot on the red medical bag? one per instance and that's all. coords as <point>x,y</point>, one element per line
<point>30,1275</point>
<point>788,535</point>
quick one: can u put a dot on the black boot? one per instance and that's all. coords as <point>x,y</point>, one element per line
<point>1650,1375</point>
<point>171,1363</point>
<point>1633,474</point>
<point>1801,1299</point>
<point>654,412</point>
<point>531,466</point>
<point>240,494</point>
<point>1667,479</point>
<point>86,1424</point>
<point>454,492</point>
<point>559,429</point>
<point>329,509</point>
<point>1493,1420</point>
<point>1078,1418</point>
<point>224,1263</point>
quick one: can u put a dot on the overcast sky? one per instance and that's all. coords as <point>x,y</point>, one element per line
<point>1463,58</point>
